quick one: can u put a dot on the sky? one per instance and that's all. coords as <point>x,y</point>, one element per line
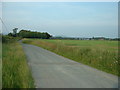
<point>69,19</point>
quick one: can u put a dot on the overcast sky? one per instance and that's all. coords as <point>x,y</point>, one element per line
<point>80,19</point>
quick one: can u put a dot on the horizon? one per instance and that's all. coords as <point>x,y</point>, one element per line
<point>69,19</point>
<point>67,36</point>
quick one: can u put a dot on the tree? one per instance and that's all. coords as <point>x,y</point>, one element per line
<point>48,35</point>
<point>10,34</point>
<point>31,34</point>
<point>15,32</point>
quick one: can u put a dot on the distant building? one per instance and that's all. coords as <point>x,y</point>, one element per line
<point>98,38</point>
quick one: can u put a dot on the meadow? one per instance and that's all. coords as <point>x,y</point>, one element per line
<point>100,54</point>
<point>15,70</point>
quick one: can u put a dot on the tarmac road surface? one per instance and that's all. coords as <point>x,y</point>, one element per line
<point>50,70</point>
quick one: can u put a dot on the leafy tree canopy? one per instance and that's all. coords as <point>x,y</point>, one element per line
<point>32,34</point>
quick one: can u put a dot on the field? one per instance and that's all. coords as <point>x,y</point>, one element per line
<point>99,54</point>
<point>15,71</point>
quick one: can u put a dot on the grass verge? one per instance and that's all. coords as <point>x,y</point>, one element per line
<point>100,57</point>
<point>15,71</point>
<point>0,64</point>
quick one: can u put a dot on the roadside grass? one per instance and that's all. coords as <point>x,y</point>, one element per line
<point>15,70</point>
<point>102,55</point>
<point>0,63</point>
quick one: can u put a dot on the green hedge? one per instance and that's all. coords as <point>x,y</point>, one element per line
<point>9,39</point>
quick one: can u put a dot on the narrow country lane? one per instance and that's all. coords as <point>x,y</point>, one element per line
<point>50,70</point>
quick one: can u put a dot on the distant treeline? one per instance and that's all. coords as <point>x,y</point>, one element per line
<point>31,34</point>
<point>93,38</point>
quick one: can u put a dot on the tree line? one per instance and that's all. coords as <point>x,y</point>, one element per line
<point>29,34</point>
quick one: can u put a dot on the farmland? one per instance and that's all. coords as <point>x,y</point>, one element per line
<point>99,54</point>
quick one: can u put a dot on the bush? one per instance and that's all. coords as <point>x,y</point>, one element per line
<point>9,39</point>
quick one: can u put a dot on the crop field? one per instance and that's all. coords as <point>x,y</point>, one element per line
<point>94,44</point>
<point>99,54</point>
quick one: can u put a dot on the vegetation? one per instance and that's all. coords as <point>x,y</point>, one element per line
<point>101,54</point>
<point>15,71</point>
<point>9,39</point>
<point>0,61</point>
<point>29,34</point>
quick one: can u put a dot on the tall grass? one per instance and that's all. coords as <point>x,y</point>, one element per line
<point>15,71</point>
<point>0,63</point>
<point>102,58</point>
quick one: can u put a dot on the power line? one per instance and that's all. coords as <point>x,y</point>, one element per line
<point>4,24</point>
